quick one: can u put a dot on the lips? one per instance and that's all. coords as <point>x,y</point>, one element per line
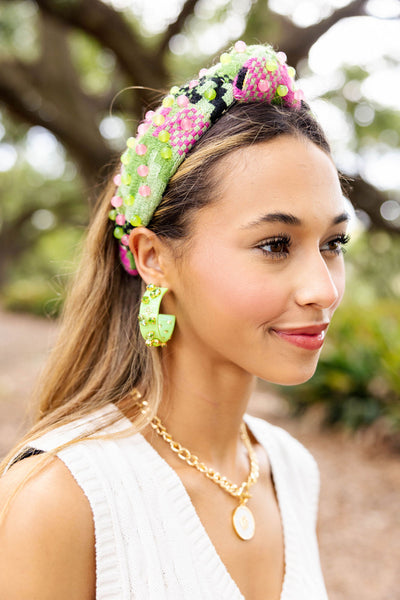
<point>309,337</point>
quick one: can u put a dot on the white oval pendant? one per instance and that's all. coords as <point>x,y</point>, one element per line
<point>243,522</point>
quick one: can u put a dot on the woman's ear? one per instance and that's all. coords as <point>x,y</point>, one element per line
<point>150,256</point>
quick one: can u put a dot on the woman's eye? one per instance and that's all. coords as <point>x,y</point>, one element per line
<point>336,246</point>
<point>277,247</point>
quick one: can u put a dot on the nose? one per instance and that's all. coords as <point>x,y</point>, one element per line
<point>315,284</point>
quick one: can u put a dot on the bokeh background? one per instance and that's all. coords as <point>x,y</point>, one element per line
<point>75,78</point>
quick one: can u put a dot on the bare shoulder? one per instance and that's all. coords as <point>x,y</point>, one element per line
<point>47,535</point>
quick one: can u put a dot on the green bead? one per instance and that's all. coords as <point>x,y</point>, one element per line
<point>151,321</point>
<point>158,119</point>
<point>112,215</point>
<point>126,178</point>
<point>225,58</point>
<point>271,65</point>
<point>291,71</point>
<point>136,221</point>
<point>174,90</point>
<point>168,101</point>
<point>282,90</point>
<point>146,300</point>
<point>210,94</point>
<point>118,233</point>
<point>125,158</point>
<point>166,153</point>
<point>154,293</point>
<point>129,200</point>
<point>163,136</point>
<point>150,335</point>
<point>131,142</point>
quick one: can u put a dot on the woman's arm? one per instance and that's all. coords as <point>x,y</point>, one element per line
<point>47,547</point>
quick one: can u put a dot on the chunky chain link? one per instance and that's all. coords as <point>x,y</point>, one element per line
<point>238,491</point>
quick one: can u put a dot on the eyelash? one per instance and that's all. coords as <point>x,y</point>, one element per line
<point>284,240</point>
<point>280,239</point>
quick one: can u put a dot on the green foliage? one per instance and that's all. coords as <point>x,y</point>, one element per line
<point>94,63</point>
<point>38,281</point>
<point>41,225</point>
<point>372,267</point>
<point>18,31</point>
<point>32,295</point>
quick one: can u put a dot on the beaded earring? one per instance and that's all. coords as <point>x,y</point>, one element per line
<point>155,328</point>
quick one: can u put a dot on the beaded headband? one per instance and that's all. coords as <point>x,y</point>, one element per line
<point>244,74</point>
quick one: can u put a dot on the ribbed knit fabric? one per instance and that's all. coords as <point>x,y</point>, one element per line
<point>150,542</point>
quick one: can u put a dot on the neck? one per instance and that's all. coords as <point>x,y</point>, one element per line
<point>203,404</point>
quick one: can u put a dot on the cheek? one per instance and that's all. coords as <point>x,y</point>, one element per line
<point>232,293</point>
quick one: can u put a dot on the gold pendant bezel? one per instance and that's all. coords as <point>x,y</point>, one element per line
<point>243,522</point>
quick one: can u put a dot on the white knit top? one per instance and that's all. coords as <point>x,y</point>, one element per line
<point>150,542</point>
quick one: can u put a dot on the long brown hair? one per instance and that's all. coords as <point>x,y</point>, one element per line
<point>100,356</point>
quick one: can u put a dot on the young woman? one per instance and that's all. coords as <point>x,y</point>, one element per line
<point>213,257</point>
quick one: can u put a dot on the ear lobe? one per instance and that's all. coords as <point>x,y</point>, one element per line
<point>148,253</point>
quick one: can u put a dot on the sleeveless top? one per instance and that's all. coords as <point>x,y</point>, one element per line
<point>150,542</point>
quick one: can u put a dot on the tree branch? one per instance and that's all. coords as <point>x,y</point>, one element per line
<point>297,41</point>
<point>369,199</point>
<point>63,107</point>
<point>109,28</point>
<point>176,27</point>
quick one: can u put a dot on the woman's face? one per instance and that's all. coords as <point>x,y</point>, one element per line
<point>264,272</point>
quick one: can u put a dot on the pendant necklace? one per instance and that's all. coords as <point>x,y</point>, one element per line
<point>242,517</point>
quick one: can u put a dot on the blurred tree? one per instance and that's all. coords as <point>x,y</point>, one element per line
<point>48,89</point>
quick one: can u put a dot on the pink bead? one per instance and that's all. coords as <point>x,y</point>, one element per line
<point>165,110</point>
<point>193,83</point>
<point>299,95</point>
<point>203,72</point>
<point>263,85</point>
<point>143,170</point>
<point>143,127</point>
<point>120,219</point>
<point>186,124</point>
<point>141,149</point>
<point>116,201</point>
<point>125,240</point>
<point>240,46</point>
<point>144,191</point>
<point>149,115</point>
<point>182,101</point>
<point>281,56</point>
<point>117,180</point>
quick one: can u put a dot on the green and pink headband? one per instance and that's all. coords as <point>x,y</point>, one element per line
<point>244,74</point>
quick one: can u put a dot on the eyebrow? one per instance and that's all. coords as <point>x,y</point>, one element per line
<point>289,219</point>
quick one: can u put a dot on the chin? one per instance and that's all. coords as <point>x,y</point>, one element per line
<point>291,376</point>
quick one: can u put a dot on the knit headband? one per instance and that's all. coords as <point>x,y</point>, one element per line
<point>244,74</point>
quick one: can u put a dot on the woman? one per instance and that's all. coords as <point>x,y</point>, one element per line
<point>228,207</point>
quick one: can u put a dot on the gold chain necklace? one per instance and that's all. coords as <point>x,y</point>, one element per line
<point>242,517</point>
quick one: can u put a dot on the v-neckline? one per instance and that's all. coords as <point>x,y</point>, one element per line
<point>211,561</point>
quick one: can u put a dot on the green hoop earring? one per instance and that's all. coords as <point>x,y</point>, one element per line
<point>155,328</point>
